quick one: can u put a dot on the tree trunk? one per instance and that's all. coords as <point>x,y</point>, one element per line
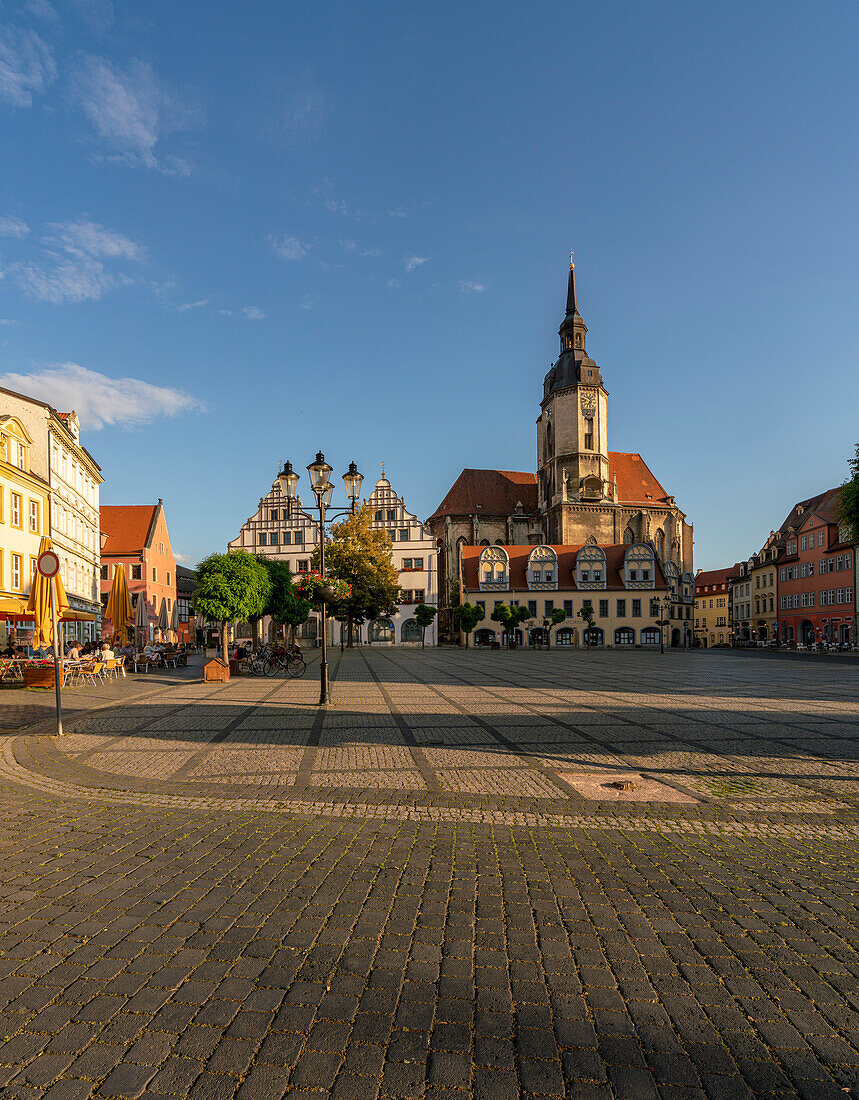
<point>349,642</point>
<point>423,636</point>
<point>224,653</point>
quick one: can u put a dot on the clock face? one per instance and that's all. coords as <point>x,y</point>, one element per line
<point>589,404</point>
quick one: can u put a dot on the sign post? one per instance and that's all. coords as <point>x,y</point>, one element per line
<point>48,565</point>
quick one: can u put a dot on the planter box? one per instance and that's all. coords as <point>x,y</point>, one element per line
<point>38,676</point>
<point>216,672</point>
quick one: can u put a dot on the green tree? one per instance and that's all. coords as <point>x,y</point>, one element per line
<point>586,614</point>
<point>848,499</point>
<point>284,606</point>
<point>466,617</point>
<point>230,587</point>
<point>510,618</point>
<point>424,615</point>
<point>557,616</point>
<point>361,555</point>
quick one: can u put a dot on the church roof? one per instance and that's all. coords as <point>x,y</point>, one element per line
<point>636,483</point>
<point>498,492</point>
<point>518,558</point>
<point>490,492</point>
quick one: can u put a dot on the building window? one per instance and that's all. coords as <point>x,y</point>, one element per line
<point>136,572</point>
<point>298,538</point>
<point>621,609</point>
<point>603,609</point>
<point>407,564</point>
<point>15,509</point>
<point>568,608</point>
<point>273,515</point>
<point>168,578</point>
<point>420,595</point>
<point>104,572</point>
<point>654,608</point>
<point>303,565</point>
<point>532,608</point>
<point>285,538</point>
<point>377,518</point>
<point>34,517</point>
<point>262,538</point>
<point>16,570</point>
<point>549,608</point>
<point>820,537</point>
<point>404,534</point>
<point>154,575</point>
<point>636,609</point>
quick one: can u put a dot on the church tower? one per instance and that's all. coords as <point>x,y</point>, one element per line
<point>572,429</point>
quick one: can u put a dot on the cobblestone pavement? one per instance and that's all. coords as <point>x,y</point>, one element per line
<point>433,889</point>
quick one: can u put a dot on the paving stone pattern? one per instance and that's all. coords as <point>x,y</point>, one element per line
<point>428,890</point>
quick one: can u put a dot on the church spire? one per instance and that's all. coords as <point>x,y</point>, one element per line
<point>573,330</point>
<point>572,307</point>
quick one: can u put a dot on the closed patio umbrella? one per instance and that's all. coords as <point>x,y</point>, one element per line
<point>118,608</point>
<point>162,618</point>
<point>39,604</point>
<point>141,621</point>
<point>174,623</point>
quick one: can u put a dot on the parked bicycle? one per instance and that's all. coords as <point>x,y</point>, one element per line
<point>269,660</point>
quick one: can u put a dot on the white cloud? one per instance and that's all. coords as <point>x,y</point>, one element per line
<point>348,245</point>
<point>393,282</point>
<point>27,66</point>
<point>91,240</point>
<point>42,9</point>
<point>288,248</point>
<point>398,212</point>
<point>8,321</point>
<point>306,302</point>
<point>130,110</point>
<point>183,559</point>
<point>74,268</point>
<point>225,312</point>
<point>470,286</point>
<point>13,227</point>
<point>98,14</point>
<point>185,306</point>
<point>415,261</point>
<point>100,400</point>
<point>253,313</point>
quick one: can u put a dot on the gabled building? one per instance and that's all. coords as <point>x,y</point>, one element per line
<point>712,610</point>
<point>137,536</point>
<point>624,584</point>
<point>816,576</point>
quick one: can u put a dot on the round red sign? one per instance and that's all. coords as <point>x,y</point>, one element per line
<point>48,564</point>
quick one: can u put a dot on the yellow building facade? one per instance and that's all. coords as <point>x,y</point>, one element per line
<point>712,611</point>
<point>24,517</point>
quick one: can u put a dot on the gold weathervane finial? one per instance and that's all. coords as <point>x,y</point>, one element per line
<point>572,265</point>
<point>383,469</point>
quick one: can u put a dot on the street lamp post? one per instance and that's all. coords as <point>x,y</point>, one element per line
<point>664,607</point>
<point>320,483</point>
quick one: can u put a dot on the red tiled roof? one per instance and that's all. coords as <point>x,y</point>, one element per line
<point>126,526</point>
<point>635,481</point>
<point>715,577</point>
<point>518,556</point>
<point>498,492</point>
<point>492,492</point>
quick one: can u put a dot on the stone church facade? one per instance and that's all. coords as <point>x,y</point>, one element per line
<point>581,492</point>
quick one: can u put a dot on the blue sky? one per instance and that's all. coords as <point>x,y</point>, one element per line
<point>237,239</point>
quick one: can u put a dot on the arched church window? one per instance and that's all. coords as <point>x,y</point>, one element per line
<point>660,543</point>
<point>628,537</point>
<point>578,339</point>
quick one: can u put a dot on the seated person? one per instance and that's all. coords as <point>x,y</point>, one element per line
<point>73,653</point>
<point>127,650</point>
<point>10,650</point>
<point>107,653</point>
<point>150,651</point>
<point>241,653</point>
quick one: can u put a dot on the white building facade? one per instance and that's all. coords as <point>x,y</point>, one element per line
<point>275,531</point>
<point>75,479</point>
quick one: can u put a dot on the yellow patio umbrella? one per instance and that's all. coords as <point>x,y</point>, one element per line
<point>40,602</point>
<point>118,608</point>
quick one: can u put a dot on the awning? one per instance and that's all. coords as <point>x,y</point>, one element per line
<point>70,615</point>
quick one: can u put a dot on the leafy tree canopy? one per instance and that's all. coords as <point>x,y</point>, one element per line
<point>230,587</point>
<point>424,615</point>
<point>284,604</point>
<point>849,499</point>
<point>361,555</point>
<point>466,617</point>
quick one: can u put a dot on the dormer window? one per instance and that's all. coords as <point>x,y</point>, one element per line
<point>543,568</point>
<point>590,566</point>
<point>638,565</point>
<point>493,569</point>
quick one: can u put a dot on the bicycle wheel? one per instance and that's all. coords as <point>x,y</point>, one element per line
<point>296,667</point>
<point>271,667</point>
